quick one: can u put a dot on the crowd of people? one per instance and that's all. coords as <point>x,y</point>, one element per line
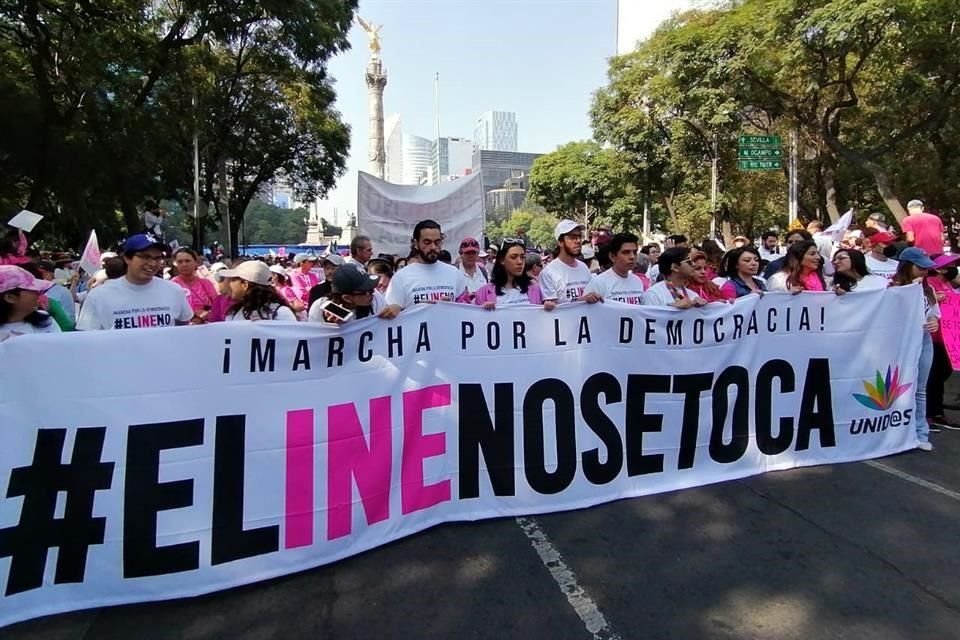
<point>145,285</point>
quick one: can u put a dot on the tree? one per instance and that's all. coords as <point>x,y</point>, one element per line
<point>579,180</point>
<point>534,225</point>
<point>104,93</point>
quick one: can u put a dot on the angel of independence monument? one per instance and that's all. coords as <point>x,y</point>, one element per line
<point>376,77</point>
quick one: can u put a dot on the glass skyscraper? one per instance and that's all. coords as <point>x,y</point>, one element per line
<point>496,131</point>
<point>417,157</point>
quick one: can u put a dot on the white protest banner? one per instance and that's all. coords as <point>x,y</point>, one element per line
<point>193,459</point>
<point>90,259</point>
<point>387,212</point>
<point>25,220</point>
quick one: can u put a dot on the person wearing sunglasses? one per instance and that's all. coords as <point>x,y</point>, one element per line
<point>509,283</point>
<point>138,300</point>
<point>474,274</point>
<point>677,269</point>
<point>566,278</point>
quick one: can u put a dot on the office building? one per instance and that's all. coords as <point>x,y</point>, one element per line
<point>393,146</point>
<point>417,154</point>
<point>510,196</point>
<point>496,131</point>
<point>451,159</point>
<point>499,167</point>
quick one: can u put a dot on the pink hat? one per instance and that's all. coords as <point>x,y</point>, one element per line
<point>945,260</point>
<point>13,277</point>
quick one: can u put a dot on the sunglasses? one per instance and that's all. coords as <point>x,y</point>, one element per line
<point>519,241</point>
<point>464,245</point>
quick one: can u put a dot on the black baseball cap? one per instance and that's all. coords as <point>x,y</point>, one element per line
<point>347,279</point>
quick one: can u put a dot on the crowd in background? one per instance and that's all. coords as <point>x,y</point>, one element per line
<point>145,284</point>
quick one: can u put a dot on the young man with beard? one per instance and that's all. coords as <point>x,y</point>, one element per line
<point>425,281</point>
<point>566,278</point>
<point>677,269</point>
<point>619,283</point>
<point>138,300</point>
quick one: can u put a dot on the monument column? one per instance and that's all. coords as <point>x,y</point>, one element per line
<point>376,81</point>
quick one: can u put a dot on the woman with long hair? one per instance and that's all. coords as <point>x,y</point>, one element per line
<point>254,298</point>
<point>700,281</point>
<point>714,256</point>
<point>912,269</point>
<point>740,267</point>
<point>200,292</point>
<point>801,271</point>
<point>850,273</point>
<point>20,312</point>
<point>938,278</point>
<point>509,282</point>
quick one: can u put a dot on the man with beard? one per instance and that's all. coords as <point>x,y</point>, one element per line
<point>138,300</point>
<point>566,278</point>
<point>425,281</point>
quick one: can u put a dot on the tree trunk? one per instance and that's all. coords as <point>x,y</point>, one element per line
<point>829,175</point>
<point>229,233</point>
<point>880,176</point>
<point>668,202</point>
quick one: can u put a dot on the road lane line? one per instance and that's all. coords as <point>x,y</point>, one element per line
<point>582,604</point>
<point>920,482</point>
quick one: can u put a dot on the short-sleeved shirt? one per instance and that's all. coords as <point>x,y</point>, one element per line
<point>418,283</point>
<point>13,329</point>
<point>564,283</point>
<point>884,268</point>
<point>610,285</point>
<point>120,304</point>
<point>664,294</point>
<point>200,292</point>
<point>927,231</point>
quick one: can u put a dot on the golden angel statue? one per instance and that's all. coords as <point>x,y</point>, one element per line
<point>373,32</point>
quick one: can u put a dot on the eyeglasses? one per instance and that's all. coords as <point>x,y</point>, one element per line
<point>519,241</point>
<point>148,258</point>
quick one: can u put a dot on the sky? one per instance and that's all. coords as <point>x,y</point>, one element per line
<point>541,59</point>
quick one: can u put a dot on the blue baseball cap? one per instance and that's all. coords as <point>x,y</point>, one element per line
<point>141,242</point>
<point>916,256</point>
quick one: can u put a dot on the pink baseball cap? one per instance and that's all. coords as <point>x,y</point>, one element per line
<point>945,260</point>
<point>13,277</point>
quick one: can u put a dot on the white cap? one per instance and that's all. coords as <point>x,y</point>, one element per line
<point>278,270</point>
<point>108,254</point>
<point>564,227</point>
<point>303,257</point>
<point>332,258</point>
<point>252,271</point>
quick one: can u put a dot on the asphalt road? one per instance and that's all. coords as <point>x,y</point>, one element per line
<point>863,550</point>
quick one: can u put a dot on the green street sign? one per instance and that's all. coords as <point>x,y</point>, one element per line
<point>760,153</point>
<point>760,141</point>
<point>760,165</point>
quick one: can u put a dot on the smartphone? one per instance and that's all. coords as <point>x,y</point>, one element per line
<point>335,309</point>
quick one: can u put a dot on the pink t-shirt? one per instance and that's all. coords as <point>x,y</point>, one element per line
<point>302,283</point>
<point>927,231</point>
<point>201,292</point>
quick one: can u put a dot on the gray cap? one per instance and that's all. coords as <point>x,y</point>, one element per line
<point>877,217</point>
<point>915,203</point>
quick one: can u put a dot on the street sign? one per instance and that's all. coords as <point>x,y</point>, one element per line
<point>747,152</point>
<point>760,165</point>
<point>760,141</point>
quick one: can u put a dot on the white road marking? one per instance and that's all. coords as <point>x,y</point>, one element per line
<point>582,604</point>
<point>920,482</point>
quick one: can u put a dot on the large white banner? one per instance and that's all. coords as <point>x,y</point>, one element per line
<point>387,212</point>
<point>179,461</point>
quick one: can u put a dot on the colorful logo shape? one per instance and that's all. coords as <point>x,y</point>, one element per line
<point>883,392</point>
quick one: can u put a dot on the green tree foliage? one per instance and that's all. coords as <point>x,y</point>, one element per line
<point>871,86</point>
<point>532,224</point>
<point>99,102</point>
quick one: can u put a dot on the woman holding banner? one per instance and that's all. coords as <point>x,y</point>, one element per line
<point>254,298</point>
<point>20,312</point>
<point>509,282</point>
<point>740,267</point>
<point>850,273</point>
<point>802,270</point>
<point>913,268</point>
<point>938,279</point>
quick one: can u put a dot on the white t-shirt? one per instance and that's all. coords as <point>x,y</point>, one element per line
<point>120,304</point>
<point>562,283</point>
<point>659,295</point>
<point>872,282</point>
<point>886,268</point>
<point>512,296</point>
<point>609,285</point>
<point>653,272</point>
<point>276,312</point>
<point>13,329</point>
<point>476,281</point>
<point>417,283</point>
